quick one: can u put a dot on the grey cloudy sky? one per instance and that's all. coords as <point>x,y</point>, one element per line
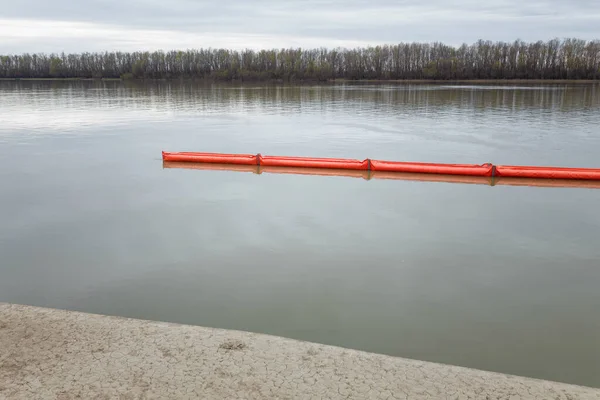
<point>96,25</point>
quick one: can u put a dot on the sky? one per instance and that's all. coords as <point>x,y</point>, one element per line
<point>129,25</point>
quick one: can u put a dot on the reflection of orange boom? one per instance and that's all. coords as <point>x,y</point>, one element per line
<point>367,175</point>
<point>273,170</point>
<point>404,176</point>
<point>211,167</point>
<point>550,183</point>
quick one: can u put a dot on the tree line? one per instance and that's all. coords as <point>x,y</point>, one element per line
<point>553,59</point>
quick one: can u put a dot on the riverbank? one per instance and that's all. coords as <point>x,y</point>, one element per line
<point>330,81</point>
<point>48,353</point>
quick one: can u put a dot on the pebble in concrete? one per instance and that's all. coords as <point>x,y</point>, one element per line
<point>54,354</point>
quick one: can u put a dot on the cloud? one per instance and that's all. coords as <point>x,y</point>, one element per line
<point>56,36</point>
<point>64,25</point>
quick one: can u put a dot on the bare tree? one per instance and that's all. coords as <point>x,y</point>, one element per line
<point>554,59</point>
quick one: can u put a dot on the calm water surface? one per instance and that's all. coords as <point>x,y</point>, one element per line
<point>499,278</point>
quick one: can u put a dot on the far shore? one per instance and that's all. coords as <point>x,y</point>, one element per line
<point>331,81</point>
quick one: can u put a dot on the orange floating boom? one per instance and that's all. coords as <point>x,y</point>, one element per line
<point>513,171</point>
<point>305,162</point>
<point>428,168</point>
<point>211,158</point>
<point>484,170</point>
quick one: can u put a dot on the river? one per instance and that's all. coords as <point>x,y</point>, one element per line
<point>500,278</point>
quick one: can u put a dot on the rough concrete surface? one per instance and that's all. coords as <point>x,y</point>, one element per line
<point>53,354</point>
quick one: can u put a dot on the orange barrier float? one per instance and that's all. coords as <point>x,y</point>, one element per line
<point>428,168</point>
<point>484,170</point>
<point>306,162</point>
<point>514,171</point>
<point>210,158</point>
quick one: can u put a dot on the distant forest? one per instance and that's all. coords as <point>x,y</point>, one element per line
<point>555,59</point>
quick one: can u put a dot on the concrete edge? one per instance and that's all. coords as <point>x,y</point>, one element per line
<point>49,353</point>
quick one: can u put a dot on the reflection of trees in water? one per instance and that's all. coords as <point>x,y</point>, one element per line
<point>214,98</point>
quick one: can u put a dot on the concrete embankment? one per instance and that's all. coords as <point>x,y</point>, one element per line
<point>54,354</point>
